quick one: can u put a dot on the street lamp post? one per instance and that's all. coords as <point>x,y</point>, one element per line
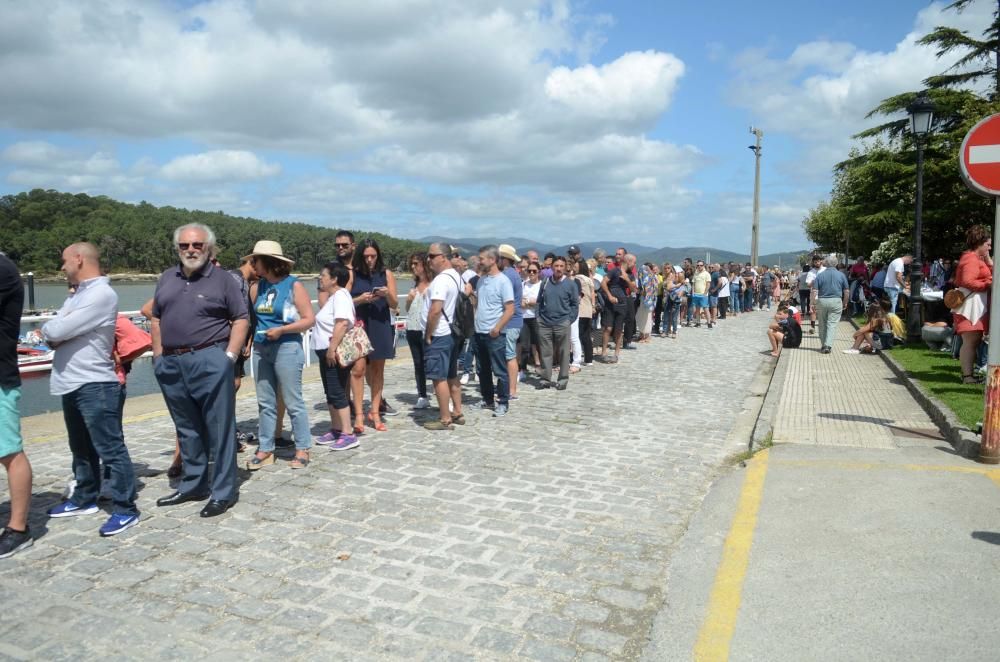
<point>756,196</point>
<point>921,117</point>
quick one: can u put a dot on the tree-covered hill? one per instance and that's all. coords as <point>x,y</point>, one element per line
<point>36,226</point>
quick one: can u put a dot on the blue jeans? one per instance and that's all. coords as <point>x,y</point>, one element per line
<point>95,435</point>
<point>467,358</point>
<point>737,301</point>
<point>671,316</point>
<point>748,299</point>
<point>893,294</point>
<point>491,356</point>
<point>279,365</point>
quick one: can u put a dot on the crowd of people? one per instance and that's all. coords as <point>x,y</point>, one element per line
<point>495,320</point>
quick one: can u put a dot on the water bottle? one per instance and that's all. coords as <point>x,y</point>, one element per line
<point>289,313</point>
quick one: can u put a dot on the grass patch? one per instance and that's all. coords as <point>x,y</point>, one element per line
<point>941,375</point>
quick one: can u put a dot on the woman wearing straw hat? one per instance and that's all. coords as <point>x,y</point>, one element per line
<point>283,312</point>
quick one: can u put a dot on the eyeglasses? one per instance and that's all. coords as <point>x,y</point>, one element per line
<point>196,245</point>
<point>342,245</point>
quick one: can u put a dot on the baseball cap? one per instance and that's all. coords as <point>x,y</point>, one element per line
<point>574,249</point>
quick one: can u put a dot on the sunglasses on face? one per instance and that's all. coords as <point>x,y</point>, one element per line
<point>532,271</point>
<point>342,245</point>
<point>196,245</point>
<point>431,256</point>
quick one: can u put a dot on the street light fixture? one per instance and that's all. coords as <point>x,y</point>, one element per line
<point>756,196</point>
<point>921,112</point>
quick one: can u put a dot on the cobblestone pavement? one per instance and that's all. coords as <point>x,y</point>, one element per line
<point>542,535</point>
<point>816,408</point>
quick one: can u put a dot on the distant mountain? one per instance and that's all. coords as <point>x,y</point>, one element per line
<point>644,253</point>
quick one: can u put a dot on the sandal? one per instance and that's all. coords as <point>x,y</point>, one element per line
<point>973,379</point>
<point>458,420</point>
<point>301,461</point>
<point>378,425</point>
<point>256,462</point>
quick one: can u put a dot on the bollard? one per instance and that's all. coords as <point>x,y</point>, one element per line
<point>31,291</point>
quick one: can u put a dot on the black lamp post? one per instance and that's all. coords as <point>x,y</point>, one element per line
<point>921,118</point>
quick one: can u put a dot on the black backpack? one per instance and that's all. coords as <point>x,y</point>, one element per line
<point>464,324</point>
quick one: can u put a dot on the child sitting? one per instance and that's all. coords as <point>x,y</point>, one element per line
<point>864,338</point>
<point>785,331</point>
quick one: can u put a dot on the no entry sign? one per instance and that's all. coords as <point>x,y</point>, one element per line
<point>980,157</point>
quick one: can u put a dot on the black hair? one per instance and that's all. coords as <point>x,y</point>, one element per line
<point>339,272</point>
<point>345,233</point>
<point>582,268</point>
<point>359,258</point>
<point>279,268</point>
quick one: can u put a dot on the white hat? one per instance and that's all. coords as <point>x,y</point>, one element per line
<point>507,251</point>
<point>270,249</point>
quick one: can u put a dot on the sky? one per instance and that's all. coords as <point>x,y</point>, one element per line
<point>556,121</point>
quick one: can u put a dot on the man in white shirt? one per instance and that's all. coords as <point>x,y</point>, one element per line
<point>894,279</point>
<point>83,374</point>
<point>441,350</point>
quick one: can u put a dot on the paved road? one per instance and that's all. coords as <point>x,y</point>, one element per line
<point>543,535</point>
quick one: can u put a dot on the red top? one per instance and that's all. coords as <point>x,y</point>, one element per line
<point>859,270</point>
<point>973,273</point>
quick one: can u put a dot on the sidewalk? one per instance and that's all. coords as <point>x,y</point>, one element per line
<point>861,535</point>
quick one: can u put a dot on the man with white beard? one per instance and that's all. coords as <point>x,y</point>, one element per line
<point>199,325</point>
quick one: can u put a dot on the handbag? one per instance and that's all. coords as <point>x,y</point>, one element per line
<point>354,345</point>
<point>954,298</point>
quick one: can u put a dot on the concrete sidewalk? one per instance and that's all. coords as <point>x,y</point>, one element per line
<point>861,535</point>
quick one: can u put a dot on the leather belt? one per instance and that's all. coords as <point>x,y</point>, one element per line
<point>174,351</point>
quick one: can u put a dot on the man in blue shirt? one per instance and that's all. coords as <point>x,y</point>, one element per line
<point>832,292</point>
<point>509,258</point>
<point>494,309</point>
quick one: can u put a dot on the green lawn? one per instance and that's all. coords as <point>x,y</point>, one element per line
<point>941,375</point>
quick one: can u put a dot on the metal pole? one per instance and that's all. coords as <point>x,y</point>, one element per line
<point>31,291</point>
<point>989,449</point>
<point>914,319</point>
<point>756,197</point>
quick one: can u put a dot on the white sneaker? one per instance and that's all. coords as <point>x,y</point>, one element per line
<point>464,379</point>
<point>520,376</point>
<point>852,351</point>
<point>422,403</point>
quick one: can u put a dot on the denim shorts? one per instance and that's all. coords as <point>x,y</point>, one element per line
<point>713,301</point>
<point>699,300</point>
<point>437,357</point>
<point>512,336</point>
<point>10,421</point>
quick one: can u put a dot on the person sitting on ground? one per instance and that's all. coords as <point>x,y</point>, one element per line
<point>864,337</point>
<point>784,331</point>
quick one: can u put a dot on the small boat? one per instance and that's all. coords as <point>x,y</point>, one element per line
<point>34,358</point>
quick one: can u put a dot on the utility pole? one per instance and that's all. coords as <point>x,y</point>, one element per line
<point>756,196</point>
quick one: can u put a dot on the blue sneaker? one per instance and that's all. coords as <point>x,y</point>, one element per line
<point>345,442</point>
<point>329,438</point>
<point>70,509</point>
<point>118,523</point>
<point>501,410</point>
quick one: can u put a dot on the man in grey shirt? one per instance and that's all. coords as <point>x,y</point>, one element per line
<point>83,373</point>
<point>558,305</point>
<point>832,292</point>
<point>198,328</point>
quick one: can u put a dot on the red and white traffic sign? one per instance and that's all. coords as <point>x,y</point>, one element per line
<point>980,157</point>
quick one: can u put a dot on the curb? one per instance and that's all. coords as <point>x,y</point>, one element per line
<point>764,427</point>
<point>964,440</point>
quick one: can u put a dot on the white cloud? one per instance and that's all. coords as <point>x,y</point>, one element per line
<point>219,165</point>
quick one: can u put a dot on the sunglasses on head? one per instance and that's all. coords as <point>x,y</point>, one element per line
<point>196,245</point>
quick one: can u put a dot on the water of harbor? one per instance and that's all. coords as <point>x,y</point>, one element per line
<point>35,397</point>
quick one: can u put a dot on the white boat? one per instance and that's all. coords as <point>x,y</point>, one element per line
<point>34,358</point>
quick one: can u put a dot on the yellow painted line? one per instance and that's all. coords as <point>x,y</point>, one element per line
<point>993,473</point>
<point>724,602</point>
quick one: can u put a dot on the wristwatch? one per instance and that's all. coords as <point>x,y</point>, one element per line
<point>231,356</point>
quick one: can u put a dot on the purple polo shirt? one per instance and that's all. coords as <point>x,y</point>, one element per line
<point>198,310</point>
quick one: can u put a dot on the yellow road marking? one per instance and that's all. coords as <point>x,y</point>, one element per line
<point>993,474</point>
<point>724,603</point>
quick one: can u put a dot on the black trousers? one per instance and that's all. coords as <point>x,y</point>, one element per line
<point>586,339</point>
<point>528,339</point>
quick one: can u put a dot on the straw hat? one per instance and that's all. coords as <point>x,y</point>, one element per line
<point>270,249</point>
<point>507,251</point>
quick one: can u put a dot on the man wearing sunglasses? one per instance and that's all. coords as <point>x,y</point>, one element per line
<point>440,350</point>
<point>198,327</point>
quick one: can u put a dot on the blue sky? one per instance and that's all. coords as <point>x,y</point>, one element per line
<point>552,120</point>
